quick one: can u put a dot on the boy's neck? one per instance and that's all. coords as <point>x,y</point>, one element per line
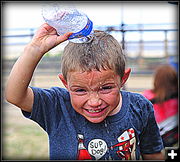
<point>117,109</point>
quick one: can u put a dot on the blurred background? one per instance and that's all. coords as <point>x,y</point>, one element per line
<point>147,32</point>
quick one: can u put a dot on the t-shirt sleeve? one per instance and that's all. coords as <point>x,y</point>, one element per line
<point>150,139</point>
<point>46,110</point>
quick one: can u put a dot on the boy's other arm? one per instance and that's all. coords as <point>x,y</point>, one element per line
<point>17,90</point>
<point>155,156</point>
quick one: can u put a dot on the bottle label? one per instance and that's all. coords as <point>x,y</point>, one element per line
<point>84,32</point>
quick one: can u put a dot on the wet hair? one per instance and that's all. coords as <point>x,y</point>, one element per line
<point>165,82</point>
<point>102,52</point>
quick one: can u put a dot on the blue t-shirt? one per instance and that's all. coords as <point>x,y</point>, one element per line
<point>125,135</point>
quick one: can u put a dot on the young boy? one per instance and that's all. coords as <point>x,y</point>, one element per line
<point>93,119</point>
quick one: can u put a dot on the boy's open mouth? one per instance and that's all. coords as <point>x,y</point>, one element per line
<point>95,112</point>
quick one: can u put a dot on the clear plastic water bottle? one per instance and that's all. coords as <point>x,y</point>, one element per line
<point>65,18</point>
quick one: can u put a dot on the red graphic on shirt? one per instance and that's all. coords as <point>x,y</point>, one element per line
<point>127,145</point>
<point>83,154</point>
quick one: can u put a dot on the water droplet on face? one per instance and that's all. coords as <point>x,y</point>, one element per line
<point>97,95</point>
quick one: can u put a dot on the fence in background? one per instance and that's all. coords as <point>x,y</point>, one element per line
<point>146,47</point>
<point>138,37</point>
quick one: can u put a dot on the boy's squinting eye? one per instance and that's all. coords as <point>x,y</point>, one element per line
<point>106,89</point>
<point>79,91</point>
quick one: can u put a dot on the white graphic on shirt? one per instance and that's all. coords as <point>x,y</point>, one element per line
<point>97,148</point>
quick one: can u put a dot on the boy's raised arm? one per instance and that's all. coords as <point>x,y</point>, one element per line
<point>17,89</point>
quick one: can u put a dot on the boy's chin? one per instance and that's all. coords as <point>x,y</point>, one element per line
<point>95,120</point>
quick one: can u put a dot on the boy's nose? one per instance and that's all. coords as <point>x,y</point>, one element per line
<point>94,100</point>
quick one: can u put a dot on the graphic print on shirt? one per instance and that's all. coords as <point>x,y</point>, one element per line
<point>97,148</point>
<point>127,145</point>
<point>83,153</point>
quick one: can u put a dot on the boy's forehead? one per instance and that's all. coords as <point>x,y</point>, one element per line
<point>91,76</point>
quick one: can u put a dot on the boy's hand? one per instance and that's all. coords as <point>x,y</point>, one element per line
<point>46,38</point>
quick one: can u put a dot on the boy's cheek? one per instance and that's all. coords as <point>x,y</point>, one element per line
<point>77,102</point>
<point>111,97</point>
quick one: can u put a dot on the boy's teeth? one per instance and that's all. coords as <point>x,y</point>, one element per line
<point>93,111</point>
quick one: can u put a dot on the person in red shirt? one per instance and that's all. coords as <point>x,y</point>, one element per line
<point>164,97</point>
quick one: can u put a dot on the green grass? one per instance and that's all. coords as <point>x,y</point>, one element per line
<point>23,140</point>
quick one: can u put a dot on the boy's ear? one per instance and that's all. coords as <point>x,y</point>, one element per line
<point>63,80</point>
<point>126,76</point>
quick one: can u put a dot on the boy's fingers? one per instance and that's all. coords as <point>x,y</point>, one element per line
<point>68,34</point>
<point>64,37</point>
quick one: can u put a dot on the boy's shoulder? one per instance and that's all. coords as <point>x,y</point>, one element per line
<point>59,89</point>
<point>136,101</point>
<point>52,91</point>
<point>134,96</point>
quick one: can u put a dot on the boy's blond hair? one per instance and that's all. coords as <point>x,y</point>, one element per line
<point>103,52</point>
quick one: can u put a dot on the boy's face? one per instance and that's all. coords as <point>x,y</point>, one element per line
<point>95,94</point>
